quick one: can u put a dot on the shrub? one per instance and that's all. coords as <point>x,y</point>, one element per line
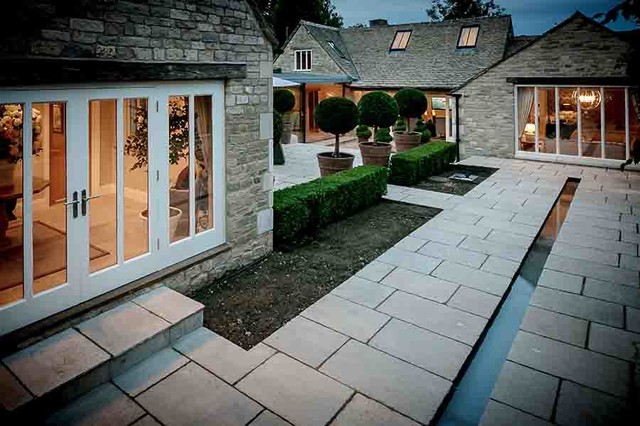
<point>337,116</point>
<point>424,130</point>
<point>417,164</point>
<point>384,135</point>
<point>400,125</point>
<point>283,100</point>
<point>307,207</point>
<point>278,154</point>
<point>363,131</point>
<point>412,103</point>
<point>377,109</point>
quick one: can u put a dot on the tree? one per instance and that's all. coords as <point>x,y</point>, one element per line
<point>628,9</point>
<point>286,14</point>
<point>444,10</point>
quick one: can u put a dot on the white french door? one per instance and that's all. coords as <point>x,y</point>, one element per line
<point>122,182</point>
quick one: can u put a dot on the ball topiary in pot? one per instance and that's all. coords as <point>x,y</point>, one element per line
<point>424,130</point>
<point>363,132</point>
<point>283,102</point>
<point>412,103</point>
<point>384,136</point>
<point>278,154</point>
<point>378,110</point>
<point>336,116</point>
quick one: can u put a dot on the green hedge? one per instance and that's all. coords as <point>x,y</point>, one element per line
<point>306,207</point>
<point>417,164</point>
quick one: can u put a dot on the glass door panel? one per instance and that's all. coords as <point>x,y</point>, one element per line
<point>590,121</point>
<point>547,120</point>
<point>614,124</point>
<point>179,173</point>
<point>204,159</point>
<point>568,116</point>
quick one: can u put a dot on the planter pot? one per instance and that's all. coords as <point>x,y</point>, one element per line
<point>363,139</point>
<point>175,215</point>
<point>7,171</point>
<point>330,164</point>
<point>375,154</point>
<point>407,141</point>
<point>287,128</point>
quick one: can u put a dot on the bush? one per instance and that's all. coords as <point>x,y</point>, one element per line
<point>424,130</point>
<point>277,126</point>
<point>383,135</point>
<point>337,116</point>
<point>283,100</point>
<point>400,125</point>
<point>417,164</point>
<point>363,131</point>
<point>412,103</point>
<point>377,109</point>
<point>307,207</point>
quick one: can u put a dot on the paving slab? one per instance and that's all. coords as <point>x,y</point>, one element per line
<point>192,395</point>
<point>397,384</point>
<point>593,270</point>
<point>306,341</point>
<point>498,414</point>
<point>505,251</point>
<point>438,235</point>
<point>630,262</point>
<point>346,317</point>
<point>474,301</point>
<point>441,319</point>
<point>453,254</point>
<point>54,361</point>
<point>633,320</point>
<point>168,304</point>
<point>422,348</point>
<point>150,371</point>
<point>295,391</point>
<point>363,291</point>
<point>105,405</point>
<point>225,359</point>
<point>462,228</point>
<point>106,329</point>
<point>497,265</point>
<point>577,228</point>
<point>505,237</point>
<point>12,393</point>
<point>561,281</point>
<point>578,306</point>
<point>570,362</point>
<point>456,216</point>
<point>471,277</point>
<point>611,292</point>
<point>375,271</point>
<point>267,418</point>
<point>362,411</point>
<point>578,406</point>
<point>409,260</point>
<point>585,253</point>
<point>555,326</point>
<point>526,389</point>
<point>147,421</point>
<point>420,284</point>
<point>409,243</point>
<point>613,341</point>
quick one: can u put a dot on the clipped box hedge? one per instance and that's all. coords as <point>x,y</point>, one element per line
<point>306,207</point>
<point>410,167</point>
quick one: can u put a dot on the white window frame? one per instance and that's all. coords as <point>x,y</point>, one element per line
<point>565,158</point>
<point>309,62</point>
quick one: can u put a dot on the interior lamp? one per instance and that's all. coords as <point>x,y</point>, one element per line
<point>589,99</point>
<point>530,129</point>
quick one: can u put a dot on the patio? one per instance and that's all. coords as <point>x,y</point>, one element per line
<point>387,346</point>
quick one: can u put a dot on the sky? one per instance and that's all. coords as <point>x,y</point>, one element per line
<point>529,17</point>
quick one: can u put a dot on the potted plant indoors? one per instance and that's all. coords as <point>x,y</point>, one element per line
<point>363,133</point>
<point>11,139</point>
<point>378,110</point>
<point>336,116</point>
<point>412,104</point>
<point>283,102</point>
<point>278,154</point>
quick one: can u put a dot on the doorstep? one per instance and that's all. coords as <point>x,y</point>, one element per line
<point>69,364</point>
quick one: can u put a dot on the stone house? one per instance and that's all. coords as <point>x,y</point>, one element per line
<point>149,140</point>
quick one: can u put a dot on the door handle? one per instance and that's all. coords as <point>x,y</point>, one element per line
<point>85,199</point>
<point>73,203</point>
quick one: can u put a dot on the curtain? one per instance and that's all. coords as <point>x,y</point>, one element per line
<point>204,146</point>
<point>525,103</point>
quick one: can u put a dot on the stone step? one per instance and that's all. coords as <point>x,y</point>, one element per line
<point>69,364</point>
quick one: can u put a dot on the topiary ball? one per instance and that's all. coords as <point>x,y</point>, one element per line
<point>283,100</point>
<point>412,103</point>
<point>383,135</point>
<point>377,109</point>
<point>336,115</point>
<point>363,131</point>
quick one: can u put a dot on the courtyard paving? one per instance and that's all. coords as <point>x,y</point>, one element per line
<point>385,347</point>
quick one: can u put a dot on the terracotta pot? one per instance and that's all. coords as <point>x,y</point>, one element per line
<point>330,164</point>
<point>406,141</point>
<point>362,139</point>
<point>375,154</point>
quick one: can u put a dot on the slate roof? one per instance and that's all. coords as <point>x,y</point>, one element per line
<point>519,42</point>
<point>431,60</point>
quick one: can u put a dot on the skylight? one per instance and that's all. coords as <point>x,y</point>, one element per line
<point>468,36</point>
<point>335,48</point>
<point>401,40</point>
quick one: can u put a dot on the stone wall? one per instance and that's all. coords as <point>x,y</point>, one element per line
<point>579,48</point>
<point>181,31</point>
<point>321,63</point>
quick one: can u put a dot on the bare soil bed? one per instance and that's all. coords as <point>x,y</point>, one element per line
<point>251,304</point>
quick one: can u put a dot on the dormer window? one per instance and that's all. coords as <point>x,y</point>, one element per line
<point>303,60</point>
<point>333,46</point>
<point>400,41</point>
<point>468,37</point>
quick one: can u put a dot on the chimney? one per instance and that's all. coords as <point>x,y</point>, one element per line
<point>378,23</point>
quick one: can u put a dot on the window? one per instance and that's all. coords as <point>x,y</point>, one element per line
<point>335,48</point>
<point>401,40</point>
<point>468,37</point>
<point>303,60</point>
